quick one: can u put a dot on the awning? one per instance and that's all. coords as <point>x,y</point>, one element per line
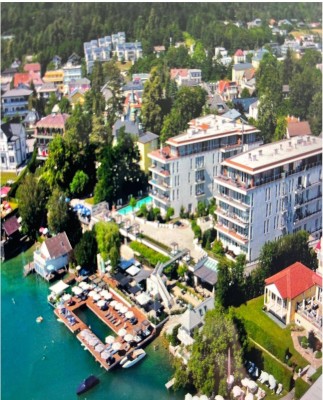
<point>133,270</point>
<point>59,287</point>
<point>143,298</point>
<point>206,275</point>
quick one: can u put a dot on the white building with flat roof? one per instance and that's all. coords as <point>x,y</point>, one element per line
<point>183,171</point>
<point>268,192</point>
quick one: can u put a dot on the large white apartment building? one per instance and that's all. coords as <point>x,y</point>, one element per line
<point>269,192</point>
<point>183,171</point>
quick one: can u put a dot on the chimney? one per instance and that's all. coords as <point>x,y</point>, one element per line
<point>250,157</point>
<point>254,157</point>
<point>281,146</point>
<point>275,151</point>
<point>260,152</point>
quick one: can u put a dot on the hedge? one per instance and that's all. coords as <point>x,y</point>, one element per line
<point>266,363</point>
<point>148,254</point>
<point>301,387</point>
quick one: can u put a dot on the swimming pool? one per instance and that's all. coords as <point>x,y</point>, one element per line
<point>126,210</point>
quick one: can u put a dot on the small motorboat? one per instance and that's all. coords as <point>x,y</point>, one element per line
<point>132,358</point>
<point>39,319</point>
<point>87,384</point>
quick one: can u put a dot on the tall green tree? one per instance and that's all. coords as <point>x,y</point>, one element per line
<point>32,197</point>
<point>86,250</point>
<point>57,212</point>
<point>108,240</point>
<point>315,114</point>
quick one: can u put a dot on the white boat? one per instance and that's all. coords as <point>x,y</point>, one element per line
<point>132,359</point>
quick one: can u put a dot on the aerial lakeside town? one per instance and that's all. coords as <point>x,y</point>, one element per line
<point>161,200</point>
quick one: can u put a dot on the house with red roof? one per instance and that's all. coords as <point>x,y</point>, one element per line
<point>34,67</point>
<point>239,57</point>
<point>46,129</point>
<point>227,90</point>
<point>295,127</point>
<point>186,77</point>
<point>295,295</point>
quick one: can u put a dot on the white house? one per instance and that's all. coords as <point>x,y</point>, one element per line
<point>52,255</point>
<point>13,147</point>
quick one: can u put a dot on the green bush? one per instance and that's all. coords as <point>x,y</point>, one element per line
<point>149,255</point>
<point>318,354</point>
<point>300,388</point>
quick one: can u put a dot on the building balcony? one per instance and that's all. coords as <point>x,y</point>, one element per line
<point>231,233</point>
<point>159,170</point>
<point>306,216</point>
<point>232,202</point>
<point>16,103</point>
<point>199,167</point>
<point>200,180</point>
<point>160,184</point>
<point>229,183</point>
<point>160,197</point>
<point>302,202</point>
<point>231,147</point>
<point>234,218</point>
<point>12,113</point>
<point>301,188</point>
<point>277,309</point>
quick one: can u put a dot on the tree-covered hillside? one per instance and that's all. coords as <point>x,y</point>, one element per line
<point>47,29</point>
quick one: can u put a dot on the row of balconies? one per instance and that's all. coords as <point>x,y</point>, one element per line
<point>301,202</point>
<point>300,217</point>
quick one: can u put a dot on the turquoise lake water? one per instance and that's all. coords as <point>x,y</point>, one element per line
<point>128,209</point>
<point>46,362</point>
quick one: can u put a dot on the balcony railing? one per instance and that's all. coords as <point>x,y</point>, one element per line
<point>160,184</point>
<point>232,201</point>
<point>304,216</point>
<point>160,197</point>
<point>232,233</point>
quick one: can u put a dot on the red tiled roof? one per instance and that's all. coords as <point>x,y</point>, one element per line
<point>294,280</point>
<point>178,72</point>
<point>223,85</point>
<point>53,121</point>
<point>21,77</point>
<point>32,67</point>
<point>239,53</point>
<point>300,128</point>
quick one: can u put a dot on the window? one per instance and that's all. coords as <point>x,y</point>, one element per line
<point>3,160</point>
<point>189,177</point>
<point>11,159</point>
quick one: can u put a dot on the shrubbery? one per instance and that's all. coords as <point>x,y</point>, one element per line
<point>300,388</point>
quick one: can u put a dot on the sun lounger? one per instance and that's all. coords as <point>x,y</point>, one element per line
<point>118,323</point>
<point>263,377</point>
<point>279,388</point>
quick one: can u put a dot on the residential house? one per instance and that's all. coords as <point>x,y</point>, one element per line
<point>295,295</point>
<point>57,61</point>
<point>10,237</point>
<point>193,319</point>
<point>215,102</point>
<point>13,149</point>
<point>128,51</point>
<point>15,102</point>
<point>132,106</point>
<point>45,90</point>
<point>256,23</point>
<point>227,90</point>
<point>269,192</point>
<point>25,78</point>
<point>205,273</point>
<point>238,71</point>
<point>186,77</point>
<point>71,72</point>
<point>253,110</point>
<point>53,255</point>
<point>257,58</point>
<point>77,97</point>
<point>285,91</point>
<point>46,129</point>
<point>249,81</point>
<point>239,57</point>
<point>83,84</point>
<point>30,120</point>
<point>140,78</point>
<point>283,22</point>
<point>56,77</point>
<point>297,128</point>
<point>34,67</point>
<point>243,104</point>
<point>292,45</point>
<point>183,170</point>
<point>220,52</point>
<point>158,50</point>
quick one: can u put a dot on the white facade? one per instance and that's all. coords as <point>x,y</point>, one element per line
<point>13,148</point>
<point>183,172</point>
<point>71,72</point>
<point>269,192</point>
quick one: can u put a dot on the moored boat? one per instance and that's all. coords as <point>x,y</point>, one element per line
<point>87,384</point>
<point>132,358</point>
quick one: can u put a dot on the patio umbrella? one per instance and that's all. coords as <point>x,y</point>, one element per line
<point>249,396</point>
<point>204,397</point>
<point>252,386</point>
<point>128,337</point>
<point>107,295</point>
<point>195,398</point>
<point>113,303</point>
<point>218,397</point>
<point>66,297</point>
<point>245,382</point>
<point>264,377</point>
<point>96,297</point>
<point>99,347</point>
<point>77,290</point>
<point>124,309</point>
<point>116,346</point>
<point>236,391</point>
<point>118,306</point>
<point>109,339</point>
<point>129,314</point>
<point>94,341</point>
<point>105,354</point>
<point>188,396</point>
<point>100,303</point>
<point>92,293</point>
<point>272,381</point>
<point>122,332</point>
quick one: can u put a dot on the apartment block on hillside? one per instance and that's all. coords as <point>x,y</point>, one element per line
<point>268,192</point>
<point>183,171</point>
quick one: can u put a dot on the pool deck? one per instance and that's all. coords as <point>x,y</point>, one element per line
<point>113,320</point>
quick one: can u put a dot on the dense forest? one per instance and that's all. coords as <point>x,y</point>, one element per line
<point>46,29</point>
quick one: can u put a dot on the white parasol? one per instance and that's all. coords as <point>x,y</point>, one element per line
<point>245,382</point>
<point>92,293</point>
<point>101,303</point>
<point>96,297</point>
<point>99,348</point>
<point>188,396</point>
<point>113,303</point>
<point>252,386</point>
<point>129,314</point>
<point>204,397</point>
<point>249,396</point>
<point>116,346</point>
<point>105,354</point>
<point>122,332</point>
<point>77,290</point>
<point>124,309</point>
<point>118,306</point>
<point>236,391</point>
<point>109,339</point>
<point>93,342</point>
<point>128,338</point>
<point>218,397</point>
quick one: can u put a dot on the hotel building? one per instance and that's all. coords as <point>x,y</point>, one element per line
<point>269,192</point>
<point>183,171</point>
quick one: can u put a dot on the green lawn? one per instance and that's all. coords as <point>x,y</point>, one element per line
<point>6,176</point>
<point>266,332</point>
